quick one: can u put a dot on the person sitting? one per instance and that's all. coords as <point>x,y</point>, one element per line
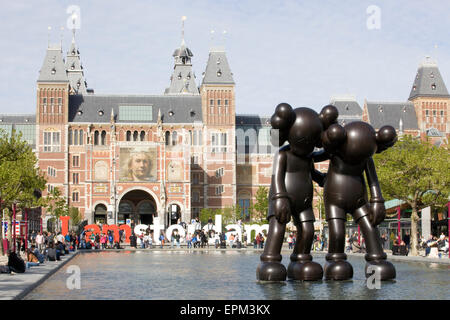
<point>32,260</point>
<point>16,263</point>
<point>60,247</point>
<point>37,253</point>
<point>52,253</point>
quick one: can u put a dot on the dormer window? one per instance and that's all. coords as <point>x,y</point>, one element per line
<point>433,86</point>
<point>404,108</point>
<point>72,67</point>
<point>100,112</point>
<point>380,108</point>
<point>80,112</point>
<point>414,88</point>
<point>171,113</point>
<point>219,73</point>
<point>432,75</point>
<point>218,61</point>
<point>346,107</point>
<point>179,76</point>
<point>192,112</point>
<point>189,76</point>
<point>53,71</point>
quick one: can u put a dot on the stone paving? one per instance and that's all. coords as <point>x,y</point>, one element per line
<point>18,285</point>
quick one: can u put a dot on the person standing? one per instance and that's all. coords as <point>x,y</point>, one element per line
<point>40,242</point>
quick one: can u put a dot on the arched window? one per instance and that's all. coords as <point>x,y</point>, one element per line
<point>96,134</point>
<point>128,135</point>
<point>103,137</point>
<point>142,137</point>
<point>135,136</point>
<point>75,137</point>
<point>167,138</point>
<point>81,137</point>
<point>247,145</point>
<point>174,138</point>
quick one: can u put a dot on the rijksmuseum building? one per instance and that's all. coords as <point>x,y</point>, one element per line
<point>118,157</point>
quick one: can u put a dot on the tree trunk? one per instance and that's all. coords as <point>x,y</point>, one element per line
<point>413,239</point>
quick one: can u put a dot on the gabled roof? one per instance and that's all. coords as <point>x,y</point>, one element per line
<point>184,108</point>
<point>428,81</point>
<point>347,107</point>
<point>217,69</point>
<point>390,113</point>
<point>53,69</point>
<point>74,69</point>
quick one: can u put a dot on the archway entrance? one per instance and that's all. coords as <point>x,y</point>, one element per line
<point>138,206</point>
<point>100,214</point>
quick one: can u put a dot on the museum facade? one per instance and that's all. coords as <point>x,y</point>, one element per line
<point>130,158</point>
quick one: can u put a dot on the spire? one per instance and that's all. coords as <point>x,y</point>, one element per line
<point>182,80</point>
<point>428,81</point>
<point>217,69</point>
<point>53,69</point>
<point>74,68</point>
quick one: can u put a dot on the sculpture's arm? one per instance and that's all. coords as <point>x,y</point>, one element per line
<point>378,211</point>
<point>280,195</point>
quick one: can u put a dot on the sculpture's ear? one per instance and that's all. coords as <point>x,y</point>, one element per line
<point>281,122</point>
<point>386,137</point>
<point>333,137</point>
<point>328,116</point>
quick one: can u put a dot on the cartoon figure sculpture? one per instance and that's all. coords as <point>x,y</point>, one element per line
<point>291,191</point>
<point>351,149</point>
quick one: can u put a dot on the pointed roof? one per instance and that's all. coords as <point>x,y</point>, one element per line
<point>428,81</point>
<point>74,69</point>
<point>390,113</point>
<point>183,77</point>
<point>53,69</point>
<point>217,69</point>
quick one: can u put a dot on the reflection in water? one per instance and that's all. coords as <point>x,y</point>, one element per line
<point>215,274</point>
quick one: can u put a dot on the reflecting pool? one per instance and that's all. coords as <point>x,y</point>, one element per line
<point>199,275</point>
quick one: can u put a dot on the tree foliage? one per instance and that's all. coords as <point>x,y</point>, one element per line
<point>417,173</point>
<point>261,205</point>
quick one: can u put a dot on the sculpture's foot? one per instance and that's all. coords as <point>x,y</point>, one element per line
<point>337,267</point>
<point>381,267</point>
<point>303,268</point>
<point>271,271</point>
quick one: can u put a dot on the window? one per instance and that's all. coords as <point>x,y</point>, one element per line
<point>142,137</point>
<point>96,135</point>
<point>50,188</point>
<point>219,189</point>
<point>51,141</point>
<point>81,137</point>
<point>174,138</point>
<point>51,172</point>
<point>75,177</point>
<point>75,137</point>
<point>60,101</point>
<point>194,160</point>
<point>103,138</point>
<point>75,161</point>
<point>136,113</point>
<point>427,112</point>
<point>195,178</point>
<point>75,196</point>
<point>167,138</point>
<point>195,196</point>
<point>219,142</point>
<point>44,100</point>
<point>244,204</point>
<point>135,136</point>
<point>52,100</point>
<point>211,102</point>
<point>219,172</point>
<point>128,135</point>
<point>433,86</point>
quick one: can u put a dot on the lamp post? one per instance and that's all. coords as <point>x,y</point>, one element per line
<point>14,227</point>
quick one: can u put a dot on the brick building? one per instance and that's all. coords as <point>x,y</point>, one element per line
<point>119,157</point>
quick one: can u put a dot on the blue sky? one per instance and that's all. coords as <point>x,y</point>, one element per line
<point>300,52</point>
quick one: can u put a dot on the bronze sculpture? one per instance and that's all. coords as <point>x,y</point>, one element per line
<point>350,150</point>
<point>291,191</point>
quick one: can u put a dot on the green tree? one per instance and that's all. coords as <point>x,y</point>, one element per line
<point>20,176</point>
<point>205,214</point>
<point>261,205</point>
<point>417,173</point>
<point>56,204</point>
<point>75,216</point>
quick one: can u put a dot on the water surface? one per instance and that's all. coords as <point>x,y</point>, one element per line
<point>200,275</point>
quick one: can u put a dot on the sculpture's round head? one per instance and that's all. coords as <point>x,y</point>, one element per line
<point>301,127</point>
<point>357,141</point>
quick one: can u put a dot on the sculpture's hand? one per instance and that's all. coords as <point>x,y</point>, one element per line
<point>378,212</point>
<point>283,210</point>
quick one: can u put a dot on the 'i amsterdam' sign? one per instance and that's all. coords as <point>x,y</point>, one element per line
<point>159,228</point>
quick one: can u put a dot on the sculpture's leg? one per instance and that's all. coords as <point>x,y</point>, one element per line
<point>375,256</point>
<point>301,266</point>
<point>336,267</point>
<point>271,268</point>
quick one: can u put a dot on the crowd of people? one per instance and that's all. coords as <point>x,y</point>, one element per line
<point>40,248</point>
